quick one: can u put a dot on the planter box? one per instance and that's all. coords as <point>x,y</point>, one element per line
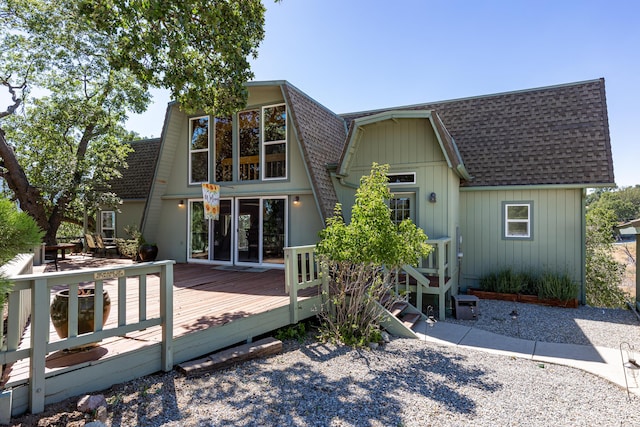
<point>530,299</point>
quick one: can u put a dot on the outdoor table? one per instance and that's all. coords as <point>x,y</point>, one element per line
<point>62,247</point>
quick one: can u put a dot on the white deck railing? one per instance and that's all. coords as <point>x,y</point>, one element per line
<point>302,271</point>
<point>39,288</point>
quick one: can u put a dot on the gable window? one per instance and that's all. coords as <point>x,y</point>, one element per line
<point>275,142</point>
<point>198,150</point>
<point>517,220</point>
<point>402,178</point>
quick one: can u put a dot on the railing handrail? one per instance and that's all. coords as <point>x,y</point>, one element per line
<point>302,270</point>
<point>40,287</point>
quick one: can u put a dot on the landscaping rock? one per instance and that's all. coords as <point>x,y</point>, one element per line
<point>90,404</point>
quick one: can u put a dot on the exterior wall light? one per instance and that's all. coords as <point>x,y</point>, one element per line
<point>432,197</point>
<point>181,203</point>
<point>296,200</point>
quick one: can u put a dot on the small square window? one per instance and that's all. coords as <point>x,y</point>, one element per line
<point>517,220</point>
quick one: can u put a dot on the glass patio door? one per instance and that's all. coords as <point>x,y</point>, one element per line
<point>248,231</point>
<point>210,240</point>
<point>261,230</point>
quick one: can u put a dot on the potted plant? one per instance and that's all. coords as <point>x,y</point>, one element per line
<point>59,311</point>
<point>147,251</point>
<point>130,246</point>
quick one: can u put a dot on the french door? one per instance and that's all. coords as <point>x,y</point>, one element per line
<point>249,231</point>
<point>261,232</point>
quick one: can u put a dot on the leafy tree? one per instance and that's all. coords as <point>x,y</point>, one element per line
<point>355,254</point>
<point>18,233</point>
<point>603,273</point>
<point>624,202</point>
<point>93,63</point>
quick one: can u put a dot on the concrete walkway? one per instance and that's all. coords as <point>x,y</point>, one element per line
<point>601,361</point>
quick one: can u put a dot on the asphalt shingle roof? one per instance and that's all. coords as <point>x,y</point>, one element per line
<point>322,135</point>
<point>136,179</point>
<point>553,135</point>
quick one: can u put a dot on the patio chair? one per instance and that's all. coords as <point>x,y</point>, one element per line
<point>51,256</point>
<point>91,245</point>
<point>105,248</point>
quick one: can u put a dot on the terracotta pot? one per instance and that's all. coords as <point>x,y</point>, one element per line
<point>60,311</point>
<point>148,252</point>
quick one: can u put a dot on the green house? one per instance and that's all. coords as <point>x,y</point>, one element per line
<point>495,181</point>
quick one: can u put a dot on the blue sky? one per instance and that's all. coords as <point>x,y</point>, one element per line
<point>353,55</point>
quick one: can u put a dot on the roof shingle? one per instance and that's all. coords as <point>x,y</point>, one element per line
<point>135,182</point>
<point>553,135</point>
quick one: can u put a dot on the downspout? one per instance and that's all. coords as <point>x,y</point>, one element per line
<point>583,246</point>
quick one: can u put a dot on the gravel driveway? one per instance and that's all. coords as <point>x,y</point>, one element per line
<point>404,383</point>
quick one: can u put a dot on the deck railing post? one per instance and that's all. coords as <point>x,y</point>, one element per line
<point>166,313</point>
<point>39,339</point>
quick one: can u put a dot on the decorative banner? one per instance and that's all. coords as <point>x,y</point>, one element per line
<point>211,195</point>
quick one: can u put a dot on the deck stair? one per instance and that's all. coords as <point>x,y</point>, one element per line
<point>222,359</point>
<point>400,317</point>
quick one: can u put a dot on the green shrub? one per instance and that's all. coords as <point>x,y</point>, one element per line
<point>548,285</point>
<point>18,233</point>
<point>557,286</point>
<point>489,282</point>
<point>354,254</point>
<point>296,332</point>
<point>507,281</point>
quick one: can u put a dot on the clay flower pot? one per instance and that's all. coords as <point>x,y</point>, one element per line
<point>60,311</point>
<point>148,252</point>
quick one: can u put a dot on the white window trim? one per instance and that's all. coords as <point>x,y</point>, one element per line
<point>199,150</point>
<point>506,221</point>
<point>263,143</point>
<point>103,228</point>
<point>260,262</point>
<point>402,173</point>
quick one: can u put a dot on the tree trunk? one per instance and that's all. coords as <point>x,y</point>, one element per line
<point>29,197</point>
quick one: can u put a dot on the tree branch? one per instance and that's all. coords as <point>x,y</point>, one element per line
<point>14,97</point>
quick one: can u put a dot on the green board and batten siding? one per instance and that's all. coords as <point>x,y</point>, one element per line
<point>408,145</point>
<point>557,233</point>
<point>166,222</point>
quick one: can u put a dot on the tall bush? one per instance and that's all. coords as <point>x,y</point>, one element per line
<point>361,257</point>
<point>603,272</point>
<point>18,233</point>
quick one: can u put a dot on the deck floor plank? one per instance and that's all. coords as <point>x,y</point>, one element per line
<point>203,297</point>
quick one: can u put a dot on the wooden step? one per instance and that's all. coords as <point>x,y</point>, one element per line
<point>397,307</point>
<point>225,358</point>
<point>410,319</point>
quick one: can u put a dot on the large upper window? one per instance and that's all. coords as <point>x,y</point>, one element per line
<point>275,142</point>
<point>249,144</point>
<point>224,149</point>
<point>518,220</point>
<point>262,143</point>
<point>198,150</point>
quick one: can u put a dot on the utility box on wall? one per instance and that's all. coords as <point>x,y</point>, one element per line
<point>465,307</point>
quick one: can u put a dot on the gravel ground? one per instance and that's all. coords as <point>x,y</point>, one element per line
<point>404,383</point>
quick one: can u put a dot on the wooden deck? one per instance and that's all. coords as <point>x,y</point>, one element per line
<point>213,308</point>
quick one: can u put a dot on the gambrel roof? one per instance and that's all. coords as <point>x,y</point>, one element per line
<point>321,134</point>
<point>555,135</point>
